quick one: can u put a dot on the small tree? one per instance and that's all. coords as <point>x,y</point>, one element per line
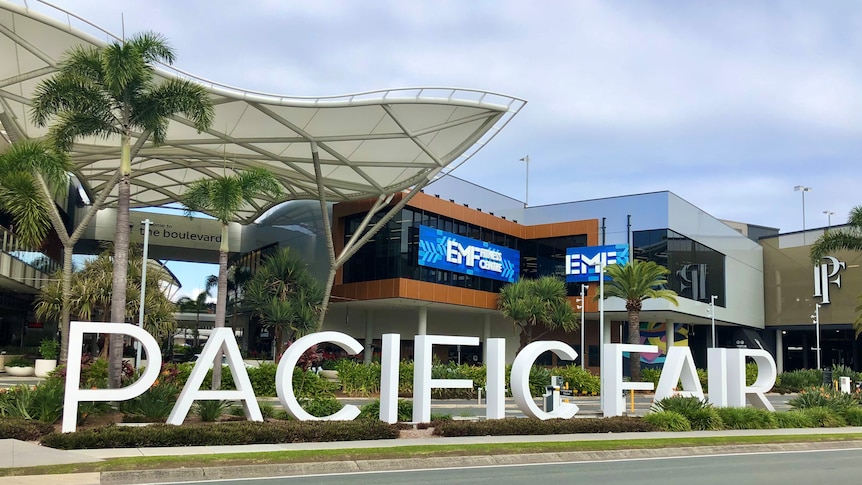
<point>635,282</point>
<point>533,302</point>
<point>286,297</point>
<point>223,197</point>
<point>196,305</point>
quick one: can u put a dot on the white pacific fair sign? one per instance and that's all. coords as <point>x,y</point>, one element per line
<point>726,375</point>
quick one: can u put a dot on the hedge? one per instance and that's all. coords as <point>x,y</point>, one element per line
<point>233,433</point>
<point>532,426</point>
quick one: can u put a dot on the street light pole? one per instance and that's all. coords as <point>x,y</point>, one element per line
<point>583,324</point>
<point>526,160</point>
<point>602,368</point>
<point>816,318</point>
<point>712,316</point>
<point>146,223</point>
<point>803,189</point>
<point>829,215</point>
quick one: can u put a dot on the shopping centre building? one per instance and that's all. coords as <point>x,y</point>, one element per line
<point>437,266</point>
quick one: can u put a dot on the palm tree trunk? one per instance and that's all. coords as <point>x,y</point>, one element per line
<point>121,264</point>
<point>635,338</point>
<point>221,301</point>
<point>65,310</point>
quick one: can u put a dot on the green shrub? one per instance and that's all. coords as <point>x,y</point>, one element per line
<point>372,410</point>
<point>321,406</point>
<point>853,416</point>
<point>211,410</point>
<point>154,405</point>
<point>797,380</point>
<point>531,426</point>
<point>358,379</point>
<point>49,348</point>
<point>24,429</point>
<point>267,410</point>
<point>794,419</point>
<point>680,404</point>
<point>844,371</point>
<point>229,433</point>
<point>262,379</point>
<point>827,397</point>
<point>651,375</point>
<point>405,378</point>
<point>706,419</point>
<point>579,379</point>
<point>310,385</point>
<point>699,413</point>
<point>750,373</point>
<point>747,418</point>
<point>43,402</point>
<point>824,417</point>
<point>668,421</point>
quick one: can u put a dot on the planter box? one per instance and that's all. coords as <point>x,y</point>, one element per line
<point>19,371</point>
<point>329,375</point>
<point>44,367</point>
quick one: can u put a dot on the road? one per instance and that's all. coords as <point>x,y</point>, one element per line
<point>797,468</point>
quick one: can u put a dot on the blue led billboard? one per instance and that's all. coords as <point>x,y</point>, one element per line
<point>444,250</point>
<point>583,264</point>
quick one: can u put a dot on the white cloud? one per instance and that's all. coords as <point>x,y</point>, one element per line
<point>728,104</point>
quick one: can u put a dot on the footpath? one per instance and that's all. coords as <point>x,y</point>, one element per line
<point>14,453</point>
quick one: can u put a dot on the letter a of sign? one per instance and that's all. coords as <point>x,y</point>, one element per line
<point>678,367</point>
<point>219,338</point>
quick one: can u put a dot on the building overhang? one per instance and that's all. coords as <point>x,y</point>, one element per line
<point>370,144</point>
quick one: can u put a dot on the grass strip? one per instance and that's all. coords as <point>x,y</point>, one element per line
<point>415,451</point>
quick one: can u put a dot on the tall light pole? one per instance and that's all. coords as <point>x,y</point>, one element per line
<point>829,215</point>
<point>711,311</point>
<point>803,189</point>
<point>816,319</point>
<point>146,223</point>
<point>582,307</point>
<point>526,160</point>
<point>602,332</point>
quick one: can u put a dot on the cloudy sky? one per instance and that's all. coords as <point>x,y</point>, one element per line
<point>727,104</point>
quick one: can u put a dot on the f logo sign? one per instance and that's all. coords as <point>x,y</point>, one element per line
<point>822,274</point>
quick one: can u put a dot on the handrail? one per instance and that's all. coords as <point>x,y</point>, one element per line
<point>10,244</point>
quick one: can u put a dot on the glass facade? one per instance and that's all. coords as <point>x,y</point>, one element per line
<point>393,252</point>
<point>696,271</point>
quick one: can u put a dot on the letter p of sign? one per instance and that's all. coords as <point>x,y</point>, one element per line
<point>74,394</point>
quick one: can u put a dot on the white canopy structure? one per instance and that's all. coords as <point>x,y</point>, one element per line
<point>370,144</point>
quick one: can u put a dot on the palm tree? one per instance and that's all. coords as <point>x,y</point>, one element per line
<point>635,282</point>
<point>110,91</point>
<point>92,288</point>
<point>32,173</point>
<point>286,297</point>
<point>532,302</point>
<point>237,278</point>
<point>197,305</point>
<point>847,238</point>
<point>223,197</point>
